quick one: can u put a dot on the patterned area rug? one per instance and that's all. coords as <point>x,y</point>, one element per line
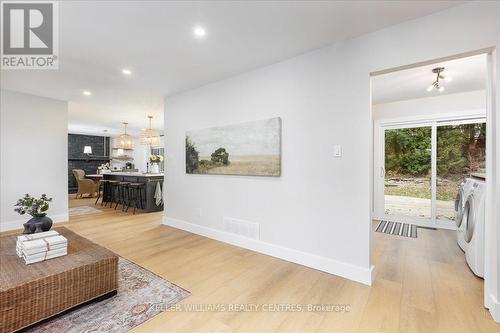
<point>398,229</point>
<point>83,210</point>
<point>141,296</point>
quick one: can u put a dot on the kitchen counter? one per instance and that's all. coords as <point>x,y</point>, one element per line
<point>135,174</point>
<point>150,181</point>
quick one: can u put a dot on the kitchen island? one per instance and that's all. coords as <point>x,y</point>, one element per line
<point>150,181</point>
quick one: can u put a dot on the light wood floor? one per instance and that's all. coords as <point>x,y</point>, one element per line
<point>422,285</point>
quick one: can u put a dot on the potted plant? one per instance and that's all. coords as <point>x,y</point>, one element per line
<point>154,160</point>
<point>37,208</point>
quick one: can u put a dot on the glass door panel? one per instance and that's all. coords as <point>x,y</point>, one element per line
<point>461,150</point>
<point>407,183</point>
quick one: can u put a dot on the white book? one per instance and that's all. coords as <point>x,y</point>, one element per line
<point>32,261</point>
<point>45,256</point>
<point>33,251</point>
<point>55,255</point>
<point>43,244</point>
<point>37,235</point>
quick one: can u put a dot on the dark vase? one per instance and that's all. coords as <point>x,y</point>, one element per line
<point>37,223</point>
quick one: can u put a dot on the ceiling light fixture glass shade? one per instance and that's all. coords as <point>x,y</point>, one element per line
<point>436,85</point>
<point>125,141</point>
<point>199,32</point>
<point>150,136</point>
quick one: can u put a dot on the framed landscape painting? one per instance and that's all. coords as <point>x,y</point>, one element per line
<point>247,149</point>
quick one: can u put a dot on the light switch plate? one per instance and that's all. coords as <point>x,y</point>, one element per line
<point>337,151</point>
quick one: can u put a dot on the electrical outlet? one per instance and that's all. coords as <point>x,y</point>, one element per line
<point>200,212</point>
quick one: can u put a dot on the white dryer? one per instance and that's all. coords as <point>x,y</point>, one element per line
<point>463,193</point>
<point>474,219</point>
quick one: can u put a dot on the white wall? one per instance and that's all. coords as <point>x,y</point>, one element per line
<point>141,155</point>
<point>34,155</point>
<point>432,106</point>
<point>318,212</point>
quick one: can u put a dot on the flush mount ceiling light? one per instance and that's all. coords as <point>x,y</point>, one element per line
<point>437,84</point>
<point>86,93</point>
<point>125,141</point>
<point>199,32</point>
<point>150,136</point>
<point>126,71</point>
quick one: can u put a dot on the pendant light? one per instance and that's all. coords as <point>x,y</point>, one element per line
<point>150,136</point>
<point>125,141</point>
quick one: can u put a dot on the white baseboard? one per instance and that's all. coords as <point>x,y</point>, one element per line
<point>18,224</point>
<point>348,271</point>
<point>494,308</point>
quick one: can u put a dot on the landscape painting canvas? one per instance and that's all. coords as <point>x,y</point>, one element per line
<point>251,149</point>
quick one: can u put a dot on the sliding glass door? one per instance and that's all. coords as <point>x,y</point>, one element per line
<point>421,166</point>
<point>461,151</point>
<point>407,183</point>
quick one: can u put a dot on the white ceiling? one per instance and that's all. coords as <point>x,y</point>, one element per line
<point>468,74</point>
<point>154,39</point>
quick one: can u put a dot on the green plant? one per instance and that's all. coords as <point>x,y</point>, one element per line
<point>32,206</point>
<point>192,158</point>
<point>460,150</point>
<point>408,151</point>
<point>221,156</point>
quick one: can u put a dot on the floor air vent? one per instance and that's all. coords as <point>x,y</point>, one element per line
<point>241,227</point>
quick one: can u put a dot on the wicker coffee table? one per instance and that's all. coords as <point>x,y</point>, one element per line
<point>31,293</point>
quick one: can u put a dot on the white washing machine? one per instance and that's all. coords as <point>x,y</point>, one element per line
<point>474,218</point>
<point>463,194</point>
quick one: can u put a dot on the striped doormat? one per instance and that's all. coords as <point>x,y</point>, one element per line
<point>398,229</point>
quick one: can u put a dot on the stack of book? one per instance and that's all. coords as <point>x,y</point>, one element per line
<point>41,246</point>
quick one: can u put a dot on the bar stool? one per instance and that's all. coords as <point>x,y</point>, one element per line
<point>123,195</point>
<point>112,192</point>
<point>101,187</point>
<point>135,198</point>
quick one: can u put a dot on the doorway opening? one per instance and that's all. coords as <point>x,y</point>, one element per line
<point>432,168</point>
<point>428,141</point>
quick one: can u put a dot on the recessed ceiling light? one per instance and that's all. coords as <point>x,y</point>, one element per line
<point>87,93</point>
<point>199,32</point>
<point>126,71</point>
